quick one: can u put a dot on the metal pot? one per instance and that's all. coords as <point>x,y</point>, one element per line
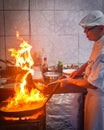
<point>51,76</point>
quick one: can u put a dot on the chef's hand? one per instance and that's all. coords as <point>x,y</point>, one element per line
<point>62,77</point>
<point>79,72</point>
<point>76,74</point>
<point>64,82</point>
<point>73,74</point>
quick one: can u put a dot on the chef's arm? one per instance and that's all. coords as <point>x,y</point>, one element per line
<point>81,82</point>
<point>79,71</point>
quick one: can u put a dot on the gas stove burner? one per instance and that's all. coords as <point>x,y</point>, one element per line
<point>25,123</point>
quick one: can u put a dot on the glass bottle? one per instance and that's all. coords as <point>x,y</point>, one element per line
<point>44,65</point>
<point>60,67</point>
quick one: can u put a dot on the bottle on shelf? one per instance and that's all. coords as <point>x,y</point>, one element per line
<point>37,58</point>
<point>60,67</point>
<point>44,65</point>
<point>43,55</point>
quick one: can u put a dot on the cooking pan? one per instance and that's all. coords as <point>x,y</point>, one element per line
<point>51,89</point>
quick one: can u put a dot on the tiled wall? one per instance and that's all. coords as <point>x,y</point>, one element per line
<point>49,24</point>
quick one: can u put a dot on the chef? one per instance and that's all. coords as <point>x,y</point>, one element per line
<point>93,70</point>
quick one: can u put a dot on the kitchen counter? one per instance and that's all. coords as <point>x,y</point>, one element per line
<point>65,109</point>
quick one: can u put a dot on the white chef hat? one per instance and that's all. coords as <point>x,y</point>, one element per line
<point>93,19</point>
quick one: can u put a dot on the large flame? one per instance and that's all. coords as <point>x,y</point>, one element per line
<point>23,55</point>
<point>24,97</point>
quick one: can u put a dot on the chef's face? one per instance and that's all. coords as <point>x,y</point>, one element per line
<point>93,33</point>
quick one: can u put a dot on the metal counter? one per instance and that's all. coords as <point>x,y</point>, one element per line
<point>65,109</point>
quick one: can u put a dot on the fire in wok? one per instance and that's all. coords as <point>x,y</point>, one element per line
<point>27,97</point>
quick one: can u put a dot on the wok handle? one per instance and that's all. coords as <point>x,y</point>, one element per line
<point>56,86</point>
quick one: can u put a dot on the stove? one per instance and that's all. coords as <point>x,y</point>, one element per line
<point>33,122</point>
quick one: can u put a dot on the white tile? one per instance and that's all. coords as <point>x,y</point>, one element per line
<point>90,4</point>
<point>16,20</point>
<point>1,4</point>
<point>2,51</point>
<point>66,22</point>
<point>85,47</point>
<point>45,4</point>
<point>66,4</point>
<point>32,4</point>
<point>1,23</point>
<point>42,22</point>
<point>42,5</point>
<point>40,42</point>
<point>16,4</point>
<point>64,48</point>
<point>2,48</point>
<point>54,26</point>
<point>103,6</point>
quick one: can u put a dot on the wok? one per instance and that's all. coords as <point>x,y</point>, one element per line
<point>51,89</point>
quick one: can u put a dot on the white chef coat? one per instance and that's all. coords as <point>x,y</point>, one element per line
<point>94,102</point>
